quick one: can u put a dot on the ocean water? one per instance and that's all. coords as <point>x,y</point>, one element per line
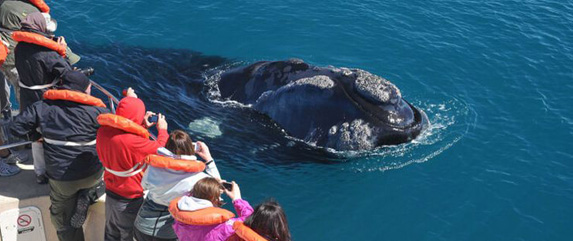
<point>494,76</point>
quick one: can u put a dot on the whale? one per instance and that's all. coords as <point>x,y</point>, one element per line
<point>339,108</point>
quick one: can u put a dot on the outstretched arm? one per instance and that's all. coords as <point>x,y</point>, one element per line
<point>205,154</point>
<point>242,207</point>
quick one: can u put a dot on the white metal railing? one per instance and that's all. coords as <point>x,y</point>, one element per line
<point>112,100</point>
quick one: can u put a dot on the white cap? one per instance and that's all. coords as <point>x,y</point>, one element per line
<point>51,24</point>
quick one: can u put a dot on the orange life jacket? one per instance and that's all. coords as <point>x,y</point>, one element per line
<point>38,39</point>
<point>3,53</point>
<point>122,123</point>
<point>246,233</point>
<point>73,96</point>
<point>40,4</point>
<point>174,164</point>
<point>202,217</point>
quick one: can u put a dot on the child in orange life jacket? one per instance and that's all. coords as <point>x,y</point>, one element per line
<point>167,178</point>
<point>199,216</point>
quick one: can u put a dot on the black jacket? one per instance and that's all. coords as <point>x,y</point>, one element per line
<point>37,65</point>
<point>64,121</point>
<point>11,14</point>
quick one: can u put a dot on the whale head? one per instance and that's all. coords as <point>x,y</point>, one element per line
<point>339,108</point>
<point>387,118</point>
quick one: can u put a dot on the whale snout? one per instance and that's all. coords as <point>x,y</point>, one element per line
<point>407,131</point>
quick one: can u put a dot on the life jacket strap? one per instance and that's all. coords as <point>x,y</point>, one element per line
<point>38,87</point>
<point>139,167</point>
<point>69,143</point>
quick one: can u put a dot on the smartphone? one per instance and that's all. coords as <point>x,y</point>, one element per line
<point>228,186</point>
<point>196,146</point>
<point>153,119</point>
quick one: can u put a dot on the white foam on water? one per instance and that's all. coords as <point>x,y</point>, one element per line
<point>449,122</point>
<point>212,78</point>
<point>207,127</point>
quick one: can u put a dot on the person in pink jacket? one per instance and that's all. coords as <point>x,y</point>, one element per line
<point>207,193</point>
<point>269,221</point>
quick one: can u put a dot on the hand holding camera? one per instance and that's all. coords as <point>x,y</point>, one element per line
<point>87,71</point>
<point>161,122</point>
<point>227,185</point>
<point>61,41</point>
<point>151,119</point>
<point>235,192</point>
<point>202,150</point>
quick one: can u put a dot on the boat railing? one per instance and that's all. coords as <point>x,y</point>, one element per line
<point>113,102</point>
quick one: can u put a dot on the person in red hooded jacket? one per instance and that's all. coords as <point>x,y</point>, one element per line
<point>122,144</point>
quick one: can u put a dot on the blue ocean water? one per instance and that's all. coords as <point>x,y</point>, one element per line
<point>494,77</point>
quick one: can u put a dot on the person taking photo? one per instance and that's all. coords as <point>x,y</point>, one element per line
<point>123,142</point>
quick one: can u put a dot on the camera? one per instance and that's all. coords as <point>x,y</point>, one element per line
<point>228,186</point>
<point>153,119</point>
<point>87,71</point>
<point>196,147</point>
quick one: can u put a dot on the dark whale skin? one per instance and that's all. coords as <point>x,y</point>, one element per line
<point>338,108</point>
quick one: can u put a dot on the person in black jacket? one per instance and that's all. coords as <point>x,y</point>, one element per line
<point>67,119</point>
<point>39,57</point>
<point>12,13</point>
<point>40,62</point>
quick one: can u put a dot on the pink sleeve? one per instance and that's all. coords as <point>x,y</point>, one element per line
<point>225,230</point>
<point>243,209</point>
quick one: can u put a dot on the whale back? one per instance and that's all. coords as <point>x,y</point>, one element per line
<point>246,84</point>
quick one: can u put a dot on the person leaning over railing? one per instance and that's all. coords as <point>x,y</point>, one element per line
<point>67,119</point>
<point>169,176</point>
<point>122,145</point>
<point>40,57</point>
<point>40,61</point>
<point>12,13</point>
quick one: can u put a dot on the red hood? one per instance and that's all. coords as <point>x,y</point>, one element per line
<point>131,108</point>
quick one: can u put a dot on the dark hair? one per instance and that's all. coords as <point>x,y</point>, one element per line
<point>180,143</point>
<point>269,220</point>
<point>208,188</point>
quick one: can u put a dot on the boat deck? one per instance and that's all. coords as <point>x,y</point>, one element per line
<point>20,191</point>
